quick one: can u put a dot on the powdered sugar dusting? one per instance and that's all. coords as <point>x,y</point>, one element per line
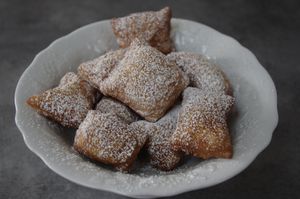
<point>159,146</point>
<point>145,81</point>
<point>202,128</point>
<point>109,105</point>
<point>154,27</point>
<point>105,137</point>
<point>96,70</point>
<point>68,103</point>
<point>203,74</point>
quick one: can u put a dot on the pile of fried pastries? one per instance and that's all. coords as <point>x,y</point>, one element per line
<point>144,96</point>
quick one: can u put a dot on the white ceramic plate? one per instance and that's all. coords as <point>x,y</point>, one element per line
<point>252,128</point>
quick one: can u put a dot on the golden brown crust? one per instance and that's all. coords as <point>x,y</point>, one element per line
<point>202,130</point>
<point>66,104</point>
<point>154,27</point>
<point>145,81</point>
<point>106,138</point>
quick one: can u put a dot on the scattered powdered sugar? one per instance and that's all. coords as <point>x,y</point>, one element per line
<point>90,173</point>
<point>65,157</point>
<point>145,81</point>
<point>202,128</point>
<point>203,74</point>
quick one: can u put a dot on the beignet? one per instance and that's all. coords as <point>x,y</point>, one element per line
<point>202,129</point>
<point>154,27</point>
<point>107,138</point>
<point>68,103</point>
<point>145,81</point>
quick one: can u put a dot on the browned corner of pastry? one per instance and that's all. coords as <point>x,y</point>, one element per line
<point>228,153</point>
<point>161,40</point>
<point>167,10</point>
<point>33,102</point>
<point>166,16</point>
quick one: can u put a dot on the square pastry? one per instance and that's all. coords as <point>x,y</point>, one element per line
<point>107,138</point>
<point>202,130</point>
<point>145,81</point>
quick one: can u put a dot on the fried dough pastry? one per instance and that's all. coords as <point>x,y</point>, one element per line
<point>162,156</point>
<point>68,79</point>
<point>202,130</point>
<point>202,73</point>
<point>68,103</point>
<point>109,105</point>
<point>107,138</point>
<point>96,70</point>
<point>145,81</point>
<point>154,27</point>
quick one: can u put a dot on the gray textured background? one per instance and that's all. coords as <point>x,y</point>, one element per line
<point>270,29</point>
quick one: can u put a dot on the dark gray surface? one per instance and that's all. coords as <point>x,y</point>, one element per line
<point>270,29</point>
